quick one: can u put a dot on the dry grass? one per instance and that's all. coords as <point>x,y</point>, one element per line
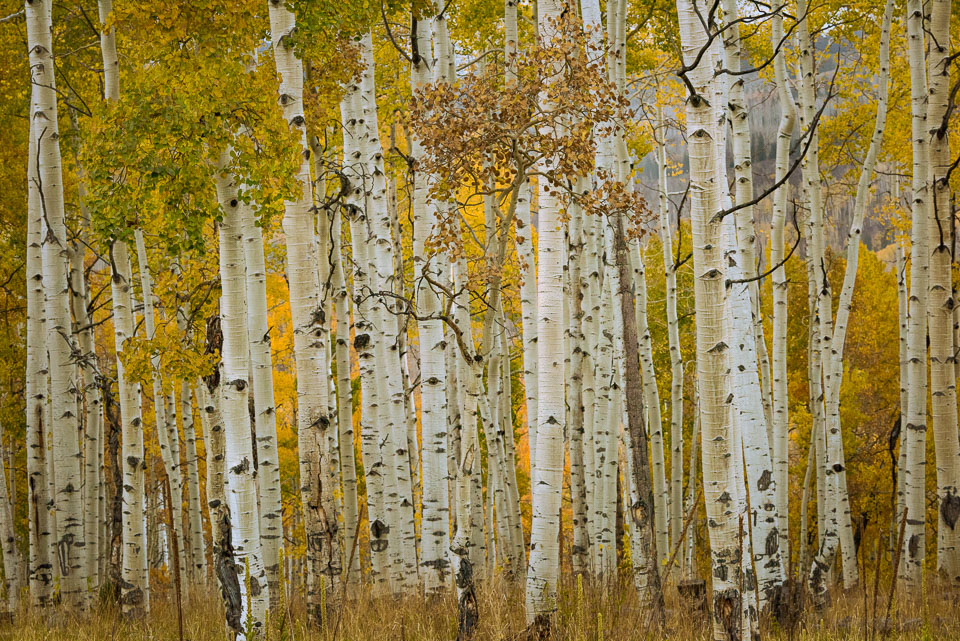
<point>585,613</point>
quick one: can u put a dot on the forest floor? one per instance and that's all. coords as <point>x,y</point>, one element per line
<point>585,614</point>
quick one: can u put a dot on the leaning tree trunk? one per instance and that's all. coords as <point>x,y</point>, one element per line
<point>644,527</point>
<point>59,329</point>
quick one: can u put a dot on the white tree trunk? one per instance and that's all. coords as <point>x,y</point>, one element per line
<point>241,476</point>
<point>364,337</point>
<point>544,568</point>
<point>42,550</point>
<point>780,423</point>
<point>91,407</point>
<point>134,586</point>
<point>435,540</point>
<point>943,392</point>
<point>398,498</point>
<point>915,422</point>
<point>709,274</point>
<point>196,543</point>
<point>317,475</point>
<point>59,331</point>
<point>265,421</point>
<point>164,409</point>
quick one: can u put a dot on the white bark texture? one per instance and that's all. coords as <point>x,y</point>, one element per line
<point>265,415</point>
<point>317,475</point>
<point>915,422</point>
<point>42,551</point>
<point>943,392</point>
<point>544,565</point>
<point>64,392</point>
<point>241,476</point>
<point>709,273</point>
<point>435,524</point>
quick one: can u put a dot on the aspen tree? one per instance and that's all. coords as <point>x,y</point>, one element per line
<point>837,527</point>
<point>433,376</point>
<point>134,590</point>
<point>310,350</point>
<point>210,398</point>
<point>940,311</point>
<point>780,422</point>
<point>241,476</point>
<point>524,240</point>
<point>750,417</point>
<point>134,578</point>
<point>164,409</point>
<point>364,336</point>
<point>398,498</point>
<point>198,554</point>
<point>544,564</point>
<point>265,418</point>
<point>915,422</point>
<point>673,336</point>
<point>92,423</point>
<point>348,469</point>
<point>719,494</point>
<point>42,550</point>
<point>59,331</point>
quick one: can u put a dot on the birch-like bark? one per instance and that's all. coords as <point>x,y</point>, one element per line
<point>64,391</point>
<point>164,409</point>
<point>134,585</point>
<point>198,555</point>
<point>651,398</point>
<point>767,568</point>
<point>210,398</point>
<point>838,529</point>
<point>940,311</point>
<point>544,565</point>
<point>265,417</point>
<point>42,546</point>
<point>780,423</point>
<point>241,476</point>
<point>348,462</point>
<point>915,423</point>
<point>742,300</point>
<point>365,337</point>
<point>317,476</point>
<point>92,424</point>
<point>673,336</point>
<point>719,494</point>
<point>435,539</point>
<point>398,497</point>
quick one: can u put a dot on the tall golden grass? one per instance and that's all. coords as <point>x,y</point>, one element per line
<point>585,612</point>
